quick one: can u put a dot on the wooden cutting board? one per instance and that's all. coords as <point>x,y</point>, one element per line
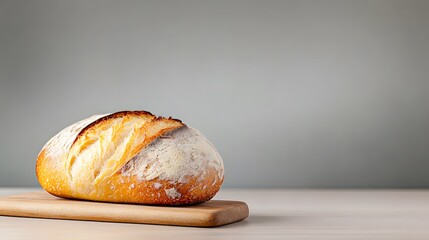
<point>43,205</point>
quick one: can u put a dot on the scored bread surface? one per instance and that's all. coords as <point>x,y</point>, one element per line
<point>133,157</point>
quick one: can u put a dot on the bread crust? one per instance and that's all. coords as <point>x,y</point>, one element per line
<point>96,159</point>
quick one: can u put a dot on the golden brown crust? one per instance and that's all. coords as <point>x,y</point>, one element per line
<point>131,190</point>
<point>102,179</point>
<point>115,115</point>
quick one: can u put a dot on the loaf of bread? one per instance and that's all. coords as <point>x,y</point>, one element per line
<point>131,157</point>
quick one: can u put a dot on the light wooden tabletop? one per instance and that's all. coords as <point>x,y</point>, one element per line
<point>274,214</point>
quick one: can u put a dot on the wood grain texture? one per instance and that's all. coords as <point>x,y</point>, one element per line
<point>43,205</point>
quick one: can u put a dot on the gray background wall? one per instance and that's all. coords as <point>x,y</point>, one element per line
<point>292,93</point>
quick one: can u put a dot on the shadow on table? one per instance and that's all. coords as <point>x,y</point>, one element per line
<point>258,219</point>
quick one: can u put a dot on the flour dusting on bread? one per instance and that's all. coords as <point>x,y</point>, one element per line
<point>61,143</point>
<point>174,157</point>
<point>172,193</point>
